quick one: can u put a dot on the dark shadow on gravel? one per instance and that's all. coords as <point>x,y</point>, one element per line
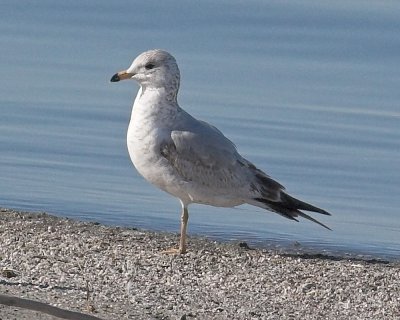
<point>321,256</point>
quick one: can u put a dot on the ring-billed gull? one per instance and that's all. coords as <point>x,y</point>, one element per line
<point>188,158</point>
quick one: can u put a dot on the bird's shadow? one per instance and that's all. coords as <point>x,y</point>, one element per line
<point>321,256</point>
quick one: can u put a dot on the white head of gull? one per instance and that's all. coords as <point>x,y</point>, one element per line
<point>188,158</point>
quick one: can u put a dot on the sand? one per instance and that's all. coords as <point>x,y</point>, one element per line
<point>121,273</point>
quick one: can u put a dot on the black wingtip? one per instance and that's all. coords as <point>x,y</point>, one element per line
<point>290,208</point>
<point>294,203</point>
<point>115,78</point>
<point>306,216</point>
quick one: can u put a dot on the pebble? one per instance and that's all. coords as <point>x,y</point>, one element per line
<point>120,273</point>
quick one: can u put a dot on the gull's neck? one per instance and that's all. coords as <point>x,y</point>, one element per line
<point>155,102</point>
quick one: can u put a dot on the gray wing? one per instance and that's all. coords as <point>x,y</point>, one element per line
<point>206,157</point>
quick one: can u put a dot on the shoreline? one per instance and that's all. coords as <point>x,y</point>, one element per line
<point>120,273</point>
<point>283,246</point>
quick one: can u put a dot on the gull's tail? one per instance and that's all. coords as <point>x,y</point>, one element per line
<point>290,207</point>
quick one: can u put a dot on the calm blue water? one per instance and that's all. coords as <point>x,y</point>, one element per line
<point>308,91</point>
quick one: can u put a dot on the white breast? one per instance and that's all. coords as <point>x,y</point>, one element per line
<point>148,128</point>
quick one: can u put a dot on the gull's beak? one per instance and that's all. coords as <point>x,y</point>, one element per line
<point>122,75</point>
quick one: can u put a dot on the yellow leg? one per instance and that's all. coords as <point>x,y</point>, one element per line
<point>182,242</point>
<point>184,220</point>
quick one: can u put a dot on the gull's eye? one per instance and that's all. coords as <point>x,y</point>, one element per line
<point>149,66</point>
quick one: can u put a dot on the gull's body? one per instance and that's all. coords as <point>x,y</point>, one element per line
<point>188,158</point>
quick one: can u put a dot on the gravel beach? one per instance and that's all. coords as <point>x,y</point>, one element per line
<point>121,273</point>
